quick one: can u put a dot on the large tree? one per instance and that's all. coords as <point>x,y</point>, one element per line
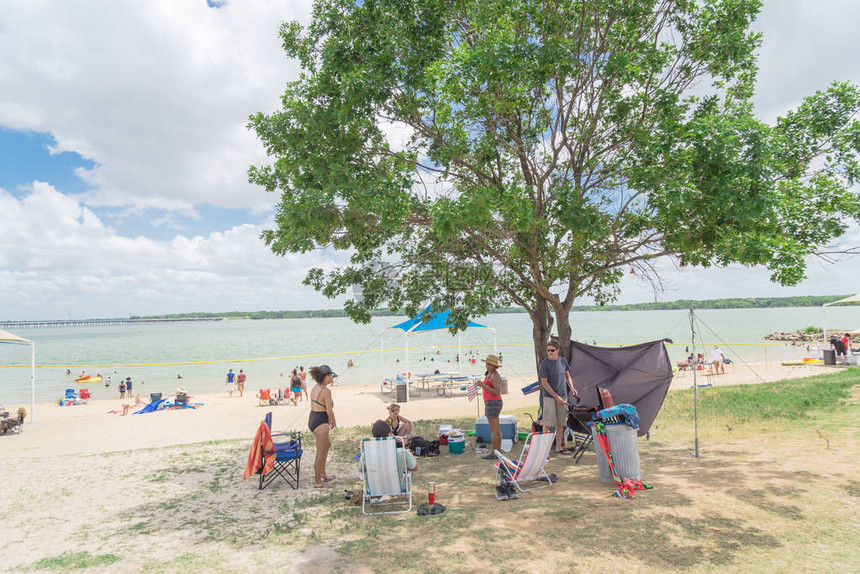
<point>480,154</point>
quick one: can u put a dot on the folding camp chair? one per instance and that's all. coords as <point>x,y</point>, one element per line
<point>264,395</point>
<point>381,476</point>
<point>85,394</point>
<point>283,397</point>
<point>288,457</point>
<point>530,465</point>
<point>576,422</point>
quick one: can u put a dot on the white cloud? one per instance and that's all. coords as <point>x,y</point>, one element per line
<point>157,93</point>
<point>57,259</point>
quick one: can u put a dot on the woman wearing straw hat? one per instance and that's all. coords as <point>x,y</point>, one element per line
<point>492,388</point>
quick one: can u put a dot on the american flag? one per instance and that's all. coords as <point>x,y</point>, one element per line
<point>473,391</point>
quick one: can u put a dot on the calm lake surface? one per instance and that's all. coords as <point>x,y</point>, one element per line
<point>201,352</point>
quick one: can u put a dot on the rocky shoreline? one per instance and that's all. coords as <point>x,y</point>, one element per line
<point>802,336</point>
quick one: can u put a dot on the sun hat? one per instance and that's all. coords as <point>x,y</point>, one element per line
<point>326,370</point>
<point>181,390</point>
<point>492,360</point>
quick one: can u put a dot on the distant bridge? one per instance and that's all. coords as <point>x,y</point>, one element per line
<point>92,322</point>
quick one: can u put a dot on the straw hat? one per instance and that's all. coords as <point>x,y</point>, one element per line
<point>181,390</point>
<point>492,360</point>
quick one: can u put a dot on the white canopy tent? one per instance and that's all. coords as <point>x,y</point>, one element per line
<point>10,338</point>
<point>852,299</point>
<point>436,320</point>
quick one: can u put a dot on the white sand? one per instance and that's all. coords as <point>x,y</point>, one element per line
<point>92,428</point>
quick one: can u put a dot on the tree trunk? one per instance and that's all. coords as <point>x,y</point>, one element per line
<point>562,318</point>
<point>542,322</point>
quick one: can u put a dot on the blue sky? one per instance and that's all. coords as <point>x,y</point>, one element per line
<point>124,151</point>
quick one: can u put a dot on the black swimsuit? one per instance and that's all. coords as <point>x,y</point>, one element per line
<point>317,418</point>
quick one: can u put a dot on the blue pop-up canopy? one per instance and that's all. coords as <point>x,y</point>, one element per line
<point>437,320</point>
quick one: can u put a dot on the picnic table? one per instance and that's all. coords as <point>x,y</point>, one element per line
<point>425,380</point>
<point>447,385</point>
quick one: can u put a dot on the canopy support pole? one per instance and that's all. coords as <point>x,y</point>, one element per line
<point>406,337</point>
<point>459,356</point>
<point>382,353</point>
<point>695,385</point>
<point>32,381</point>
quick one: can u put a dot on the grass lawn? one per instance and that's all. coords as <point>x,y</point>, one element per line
<point>775,490</point>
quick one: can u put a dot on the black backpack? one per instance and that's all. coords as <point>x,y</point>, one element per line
<point>423,447</point>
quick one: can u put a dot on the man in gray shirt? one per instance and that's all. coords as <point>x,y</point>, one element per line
<point>555,380</point>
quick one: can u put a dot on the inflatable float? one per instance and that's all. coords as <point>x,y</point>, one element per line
<point>803,361</point>
<point>83,378</point>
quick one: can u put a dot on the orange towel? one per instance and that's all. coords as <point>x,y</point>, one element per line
<point>262,444</point>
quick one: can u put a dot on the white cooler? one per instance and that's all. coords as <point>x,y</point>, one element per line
<point>508,424</point>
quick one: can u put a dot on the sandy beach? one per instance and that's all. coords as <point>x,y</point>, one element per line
<point>166,489</point>
<point>94,428</point>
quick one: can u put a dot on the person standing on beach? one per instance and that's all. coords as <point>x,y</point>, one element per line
<point>321,422</point>
<point>839,347</point>
<point>128,386</point>
<point>492,389</point>
<point>231,377</point>
<point>555,379</point>
<point>304,376</point>
<point>296,387</point>
<point>240,381</point>
<point>122,389</point>
<point>719,361</point>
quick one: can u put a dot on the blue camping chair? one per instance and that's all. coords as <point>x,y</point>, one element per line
<point>288,457</point>
<point>71,394</point>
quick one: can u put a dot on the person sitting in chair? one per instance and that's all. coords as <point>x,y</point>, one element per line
<point>405,459</point>
<point>400,425</point>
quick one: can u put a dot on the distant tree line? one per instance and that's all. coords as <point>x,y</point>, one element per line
<point>745,303</point>
<point>738,303</point>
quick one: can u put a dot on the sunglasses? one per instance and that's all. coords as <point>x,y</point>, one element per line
<point>551,350</point>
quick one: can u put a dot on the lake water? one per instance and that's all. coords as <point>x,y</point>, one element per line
<point>154,354</point>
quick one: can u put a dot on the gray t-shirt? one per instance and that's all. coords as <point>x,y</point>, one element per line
<point>554,373</point>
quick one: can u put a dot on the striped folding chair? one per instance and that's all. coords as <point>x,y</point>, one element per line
<point>530,466</point>
<point>382,477</point>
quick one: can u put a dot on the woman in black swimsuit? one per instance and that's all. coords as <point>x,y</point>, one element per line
<point>321,422</point>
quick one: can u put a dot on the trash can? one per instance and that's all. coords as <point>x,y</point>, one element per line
<point>625,453</point>
<point>829,356</point>
<point>401,392</point>
<point>504,385</point>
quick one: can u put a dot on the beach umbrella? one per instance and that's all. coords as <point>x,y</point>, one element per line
<point>6,337</point>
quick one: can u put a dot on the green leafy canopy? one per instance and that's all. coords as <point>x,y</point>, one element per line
<point>480,154</point>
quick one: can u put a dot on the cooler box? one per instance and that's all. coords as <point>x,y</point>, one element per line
<point>508,424</point>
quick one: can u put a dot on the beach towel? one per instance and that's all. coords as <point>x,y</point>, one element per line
<point>626,486</point>
<point>262,443</point>
<point>151,407</point>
